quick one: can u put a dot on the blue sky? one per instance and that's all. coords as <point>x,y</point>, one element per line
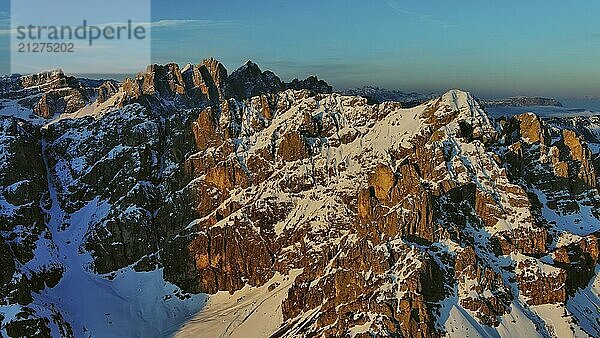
<point>492,48</point>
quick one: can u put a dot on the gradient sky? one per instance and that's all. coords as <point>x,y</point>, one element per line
<point>492,48</point>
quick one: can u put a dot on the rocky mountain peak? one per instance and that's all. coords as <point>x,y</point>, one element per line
<point>311,83</point>
<point>160,88</point>
<point>46,94</point>
<point>251,67</point>
<point>212,63</point>
<point>461,115</point>
<point>249,80</point>
<point>319,214</point>
<point>54,78</point>
<point>207,83</point>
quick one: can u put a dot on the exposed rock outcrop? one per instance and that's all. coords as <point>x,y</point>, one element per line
<point>579,259</point>
<point>249,80</point>
<point>24,231</point>
<point>106,90</point>
<point>208,83</point>
<point>46,94</point>
<point>540,283</point>
<point>393,218</point>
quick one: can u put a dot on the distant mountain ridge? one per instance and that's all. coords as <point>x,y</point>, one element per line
<point>522,101</point>
<point>52,93</point>
<point>380,95</point>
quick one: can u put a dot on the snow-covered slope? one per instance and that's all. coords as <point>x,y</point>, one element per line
<point>294,214</point>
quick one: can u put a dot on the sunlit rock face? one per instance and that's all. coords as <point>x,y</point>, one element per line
<point>386,221</point>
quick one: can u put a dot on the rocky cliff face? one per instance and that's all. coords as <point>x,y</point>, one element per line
<point>160,88</point>
<point>428,221</point>
<point>196,86</point>
<point>45,95</point>
<point>23,203</point>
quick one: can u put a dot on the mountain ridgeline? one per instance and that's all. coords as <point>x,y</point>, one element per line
<point>196,202</point>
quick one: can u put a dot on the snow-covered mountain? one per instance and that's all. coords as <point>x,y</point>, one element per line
<point>191,202</point>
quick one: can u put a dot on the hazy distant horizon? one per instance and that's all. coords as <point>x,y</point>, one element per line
<point>533,48</point>
<point>592,104</point>
<point>570,102</point>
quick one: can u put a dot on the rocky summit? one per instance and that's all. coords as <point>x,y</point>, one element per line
<point>193,202</point>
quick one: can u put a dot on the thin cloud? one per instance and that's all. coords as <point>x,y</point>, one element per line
<point>192,23</point>
<point>6,32</point>
<point>170,23</point>
<point>160,24</point>
<point>423,17</point>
